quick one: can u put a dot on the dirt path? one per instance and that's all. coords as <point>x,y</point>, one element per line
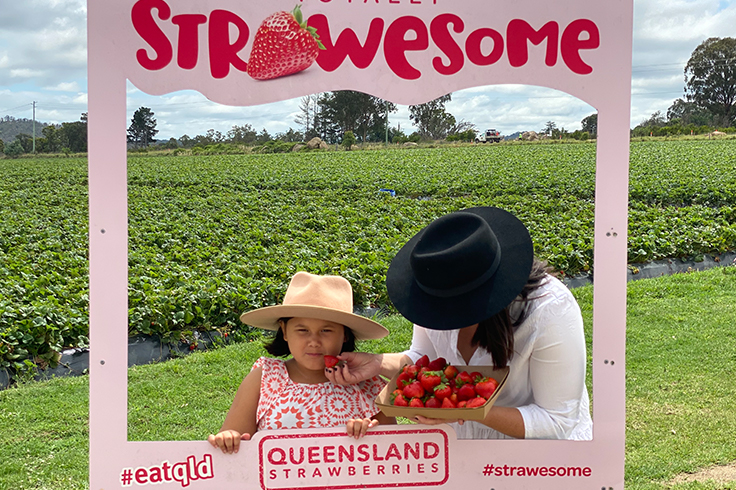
<point>719,474</point>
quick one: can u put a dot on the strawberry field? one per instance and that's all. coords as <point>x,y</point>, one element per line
<point>212,236</point>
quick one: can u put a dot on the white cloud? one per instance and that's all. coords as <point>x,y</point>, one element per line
<point>65,87</point>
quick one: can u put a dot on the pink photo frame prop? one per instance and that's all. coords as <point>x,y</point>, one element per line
<point>409,52</point>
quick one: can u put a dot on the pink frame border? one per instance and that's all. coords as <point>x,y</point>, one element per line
<point>608,89</point>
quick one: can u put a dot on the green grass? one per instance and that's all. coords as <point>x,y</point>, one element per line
<point>681,357</point>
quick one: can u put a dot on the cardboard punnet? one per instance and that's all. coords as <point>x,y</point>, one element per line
<point>478,413</point>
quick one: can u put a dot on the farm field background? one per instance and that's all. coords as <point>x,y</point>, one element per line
<point>212,236</point>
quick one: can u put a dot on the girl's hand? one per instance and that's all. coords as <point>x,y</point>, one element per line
<point>357,428</point>
<point>428,421</point>
<point>228,440</point>
<point>356,367</point>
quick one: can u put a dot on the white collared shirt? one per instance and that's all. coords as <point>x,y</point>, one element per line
<point>546,381</point>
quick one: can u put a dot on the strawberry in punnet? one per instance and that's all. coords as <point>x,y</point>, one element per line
<point>463,378</point>
<point>414,390</point>
<point>404,379</point>
<point>416,402</point>
<point>485,387</point>
<point>430,379</point>
<point>432,402</point>
<point>476,402</point>
<point>448,403</point>
<point>283,45</point>
<point>423,361</point>
<point>476,376</point>
<point>450,372</point>
<point>438,364</point>
<point>442,391</point>
<point>466,392</point>
<point>400,401</point>
<point>331,361</point>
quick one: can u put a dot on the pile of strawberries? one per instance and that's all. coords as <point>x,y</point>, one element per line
<point>436,384</point>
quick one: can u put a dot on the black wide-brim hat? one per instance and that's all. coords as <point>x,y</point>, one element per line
<point>462,268</point>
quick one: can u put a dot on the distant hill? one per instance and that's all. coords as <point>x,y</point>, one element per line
<point>11,127</point>
<point>513,136</point>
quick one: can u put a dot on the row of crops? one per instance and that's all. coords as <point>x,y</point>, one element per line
<point>211,237</point>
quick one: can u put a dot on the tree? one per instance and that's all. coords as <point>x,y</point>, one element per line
<point>710,78</point>
<point>53,142</point>
<point>549,128</point>
<point>308,109</point>
<point>290,136</point>
<point>689,113</point>
<point>14,149</point>
<point>348,140</point>
<point>73,136</point>
<point>590,125</point>
<point>244,134</point>
<point>347,110</point>
<point>2,146</point>
<point>431,118</point>
<point>142,128</point>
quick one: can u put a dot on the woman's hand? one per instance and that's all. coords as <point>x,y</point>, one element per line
<point>429,421</point>
<point>357,428</point>
<point>228,440</point>
<point>356,367</point>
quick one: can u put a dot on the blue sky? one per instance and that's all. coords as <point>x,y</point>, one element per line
<point>43,59</point>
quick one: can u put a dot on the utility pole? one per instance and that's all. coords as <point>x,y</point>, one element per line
<point>34,126</point>
<point>387,123</point>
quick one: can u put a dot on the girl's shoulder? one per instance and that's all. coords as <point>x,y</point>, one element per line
<point>270,365</point>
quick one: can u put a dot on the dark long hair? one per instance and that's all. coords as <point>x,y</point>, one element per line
<point>280,348</point>
<point>496,334</point>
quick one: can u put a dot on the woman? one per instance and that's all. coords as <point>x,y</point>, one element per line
<point>476,295</point>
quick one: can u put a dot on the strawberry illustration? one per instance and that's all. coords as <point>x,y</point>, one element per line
<point>283,45</point>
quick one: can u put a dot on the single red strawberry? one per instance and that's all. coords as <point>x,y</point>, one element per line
<point>442,391</point>
<point>448,403</point>
<point>423,361</point>
<point>400,401</point>
<point>466,392</point>
<point>430,379</point>
<point>438,364</point>
<point>394,394</point>
<point>331,361</point>
<point>432,402</point>
<point>462,404</point>
<point>463,378</point>
<point>412,369</point>
<point>485,387</point>
<point>476,402</point>
<point>450,372</point>
<point>476,376</point>
<point>416,402</point>
<point>283,45</point>
<point>404,379</point>
<point>414,390</point>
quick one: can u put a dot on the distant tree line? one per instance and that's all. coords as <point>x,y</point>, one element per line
<point>68,137</point>
<point>709,100</point>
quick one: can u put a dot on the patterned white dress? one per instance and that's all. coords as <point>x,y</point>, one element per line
<point>284,404</point>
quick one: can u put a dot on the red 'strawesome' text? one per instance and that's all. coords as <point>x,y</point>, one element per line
<point>447,32</point>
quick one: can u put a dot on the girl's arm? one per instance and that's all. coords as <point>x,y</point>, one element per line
<point>240,422</point>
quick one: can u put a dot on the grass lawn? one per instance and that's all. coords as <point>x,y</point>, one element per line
<point>681,357</point>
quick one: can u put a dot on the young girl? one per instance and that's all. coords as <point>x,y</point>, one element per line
<point>315,320</point>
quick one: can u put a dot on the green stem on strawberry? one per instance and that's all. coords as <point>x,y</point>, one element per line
<point>297,13</point>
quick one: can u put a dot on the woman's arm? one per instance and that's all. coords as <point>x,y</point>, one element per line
<point>360,366</point>
<point>240,422</point>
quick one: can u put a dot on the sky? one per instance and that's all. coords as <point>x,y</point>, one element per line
<point>43,59</point>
